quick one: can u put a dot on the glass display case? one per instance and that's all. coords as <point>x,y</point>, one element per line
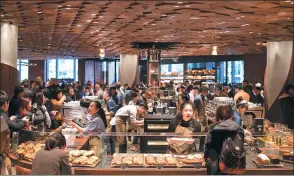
<point>203,73</point>
<point>173,72</point>
<point>277,146</point>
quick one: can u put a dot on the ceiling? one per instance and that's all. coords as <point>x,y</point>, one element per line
<point>50,29</point>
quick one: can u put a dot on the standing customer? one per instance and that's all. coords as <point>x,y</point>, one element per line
<point>53,159</point>
<point>71,95</point>
<point>18,94</point>
<point>57,101</point>
<point>40,119</point>
<point>97,124</point>
<point>99,90</point>
<point>287,106</point>
<point>224,138</point>
<point>5,162</point>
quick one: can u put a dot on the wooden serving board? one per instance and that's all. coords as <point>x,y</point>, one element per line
<point>258,164</point>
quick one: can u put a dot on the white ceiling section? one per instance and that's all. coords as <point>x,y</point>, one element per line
<point>52,28</point>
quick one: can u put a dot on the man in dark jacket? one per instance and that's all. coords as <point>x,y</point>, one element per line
<point>246,87</point>
<point>287,106</point>
<point>256,97</point>
<point>18,94</point>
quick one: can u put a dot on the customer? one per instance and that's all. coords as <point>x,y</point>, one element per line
<point>81,92</point>
<point>57,102</point>
<point>18,94</point>
<point>71,95</point>
<point>136,99</point>
<point>99,90</point>
<point>128,96</point>
<point>239,113</point>
<point>34,85</point>
<point>5,162</point>
<point>39,81</point>
<point>127,118</point>
<point>40,119</point>
<point>21,119</point>
<point>246,87</point>
<point>97,125</point>
<point>13,123</point>
<point>241,93</point>
<point>223,134</point>
<point>28,93</point>
<point>185,124</point>
<point>200,104</point>
<point>53,159</point>
<point>256,97</point>
<point>287,104</point>
<point>111,108</point>
<point>120,96</point>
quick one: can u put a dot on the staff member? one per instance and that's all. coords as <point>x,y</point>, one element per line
<point>185,124</point>
<point>127,119</point>
<point>97,124</point>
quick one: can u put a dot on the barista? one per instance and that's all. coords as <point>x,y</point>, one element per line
<point>97,125</point>
<point>184,124</point>
<point>126,119</point>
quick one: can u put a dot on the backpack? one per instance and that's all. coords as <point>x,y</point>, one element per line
<point>232,159</point>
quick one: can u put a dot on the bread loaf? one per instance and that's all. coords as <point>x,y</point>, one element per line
<point>263,159</point>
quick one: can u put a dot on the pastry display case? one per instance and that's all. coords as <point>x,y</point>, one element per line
<point>173,72</point>
<point>274,158</point>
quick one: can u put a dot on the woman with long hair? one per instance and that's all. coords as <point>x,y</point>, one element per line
<point>97,125</point>
<point>40,119</point>
<point>184,123</point>
<point>53,159</point>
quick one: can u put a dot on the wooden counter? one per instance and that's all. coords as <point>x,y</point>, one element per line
<point>107,170</point>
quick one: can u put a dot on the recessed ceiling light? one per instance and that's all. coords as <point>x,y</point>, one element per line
<point>97,30</point>
<point>68,8</point>
<point>250,32</point>
<point>59,6</point>
<point>259,33</point>
<point>92,32</point>
<point>88,21</point>
<point>180,2</point>
<point>163,15</point>
<point>93,14</point>
<point>242,16</point>
<point>194,18</point>
<point>100,16</point>
<point>2,15</point>
<point>238,18</point>
<point>187,6</point>
<point>153,24</point>
<point>39,12</point>
<point>68,5</point>
<point>176,6</point>
<point>78,25</point>
<point>288,18</point>
<point>96,22</point>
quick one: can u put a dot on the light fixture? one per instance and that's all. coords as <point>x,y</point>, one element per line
<point>238,18</point>
<point>163,15</point>
<point>102,53</point>
<point>59,6</point>
<point>180,2</point>
<point>39,12</point>
<point>176,6</point>
<point>287,1</point>
<point>100,16</point>
<point>95,22</point>
<point>250,32</point>
<point>68,8</point>
<point>78,25</point>
<point>93,14</point>
<point>68,5</point>
<point>187,6</point>
<point>194,18</point>
<point>153,24</point>
<point>214,50</point>
<point>259,33</point>
<point>88,21</point>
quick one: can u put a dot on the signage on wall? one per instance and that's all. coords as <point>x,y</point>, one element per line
<point>173,59</point>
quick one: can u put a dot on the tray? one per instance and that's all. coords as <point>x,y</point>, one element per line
<point>128,165</point>
<point>260,165</point>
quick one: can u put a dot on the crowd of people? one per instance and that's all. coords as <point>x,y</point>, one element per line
<point>36,106</point>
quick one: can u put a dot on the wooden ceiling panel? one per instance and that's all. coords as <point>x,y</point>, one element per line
<point>79,28</point>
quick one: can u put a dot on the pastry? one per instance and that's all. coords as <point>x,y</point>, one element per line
<point>171,160</point>
<point>150,160</point>
<point>80,160</point>
<point>76,152</point>
<point>263,159</point>
<point>190,157</point>
<point>138,160</point>
<point>89,153</point>
<point>161,160</point>
<point>92,160</point>
<point>127,160</point>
